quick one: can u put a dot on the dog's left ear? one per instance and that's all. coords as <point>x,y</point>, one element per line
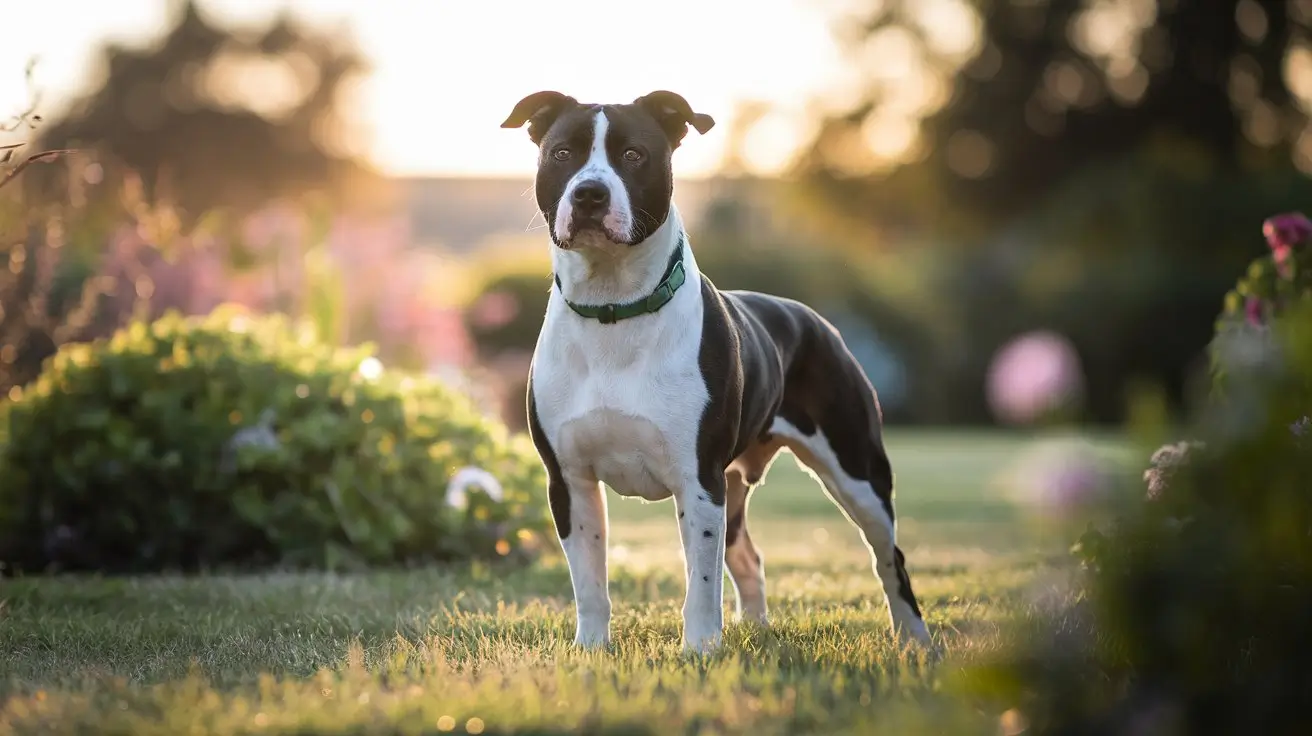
<point>539,110</point>
<point>674,114</point>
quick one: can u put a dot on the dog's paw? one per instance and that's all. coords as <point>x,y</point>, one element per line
<point>592,637</point>
<point>912,632</point>
<point>709,645</point>
<point>591,643</point>
<point>703,629</point>
<point>702,642</point>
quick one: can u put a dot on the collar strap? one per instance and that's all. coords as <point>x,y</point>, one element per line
<point>607,314</point>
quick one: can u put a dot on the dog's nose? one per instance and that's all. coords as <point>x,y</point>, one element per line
<point>590,197</point>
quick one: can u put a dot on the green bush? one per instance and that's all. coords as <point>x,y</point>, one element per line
<point>1194,613</point>
<point>234,441</point>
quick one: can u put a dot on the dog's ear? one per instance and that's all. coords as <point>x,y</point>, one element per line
<point>674,115</point>
<point>539,110</point>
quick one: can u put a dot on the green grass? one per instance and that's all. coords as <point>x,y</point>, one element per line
<point>486,649</point>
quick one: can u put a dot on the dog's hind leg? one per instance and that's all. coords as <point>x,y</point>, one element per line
<point>869,505</point>
<point>746,566</point>
<point>741,556</point>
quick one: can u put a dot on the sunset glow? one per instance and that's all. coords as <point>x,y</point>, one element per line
<point>445,74</point>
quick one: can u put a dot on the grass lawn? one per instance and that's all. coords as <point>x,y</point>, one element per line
<point>487,650</point>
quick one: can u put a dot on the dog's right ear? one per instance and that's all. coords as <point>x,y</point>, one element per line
<point>539,110</point>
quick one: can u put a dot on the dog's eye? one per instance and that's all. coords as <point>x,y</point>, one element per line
<point>633,154</point>
<point>561,154</point>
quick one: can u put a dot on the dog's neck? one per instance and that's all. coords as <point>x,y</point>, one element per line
<point>617,274</point>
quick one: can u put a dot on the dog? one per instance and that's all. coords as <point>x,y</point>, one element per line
<point>649,379</point>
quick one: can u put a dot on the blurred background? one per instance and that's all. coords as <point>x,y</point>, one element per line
<point>1012,209</point>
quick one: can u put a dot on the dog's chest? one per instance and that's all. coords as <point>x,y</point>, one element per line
<point>623,402</point>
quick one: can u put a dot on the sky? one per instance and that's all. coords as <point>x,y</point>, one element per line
<point>445,74</point>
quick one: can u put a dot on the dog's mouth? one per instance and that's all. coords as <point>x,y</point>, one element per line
<point>591,233</point>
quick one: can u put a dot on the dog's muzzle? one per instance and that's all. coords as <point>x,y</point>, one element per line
<point>589,215</point>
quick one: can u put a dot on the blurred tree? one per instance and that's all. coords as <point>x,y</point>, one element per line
<point>217,117</point>
<point>978,108</point>
<point>1097,165</point>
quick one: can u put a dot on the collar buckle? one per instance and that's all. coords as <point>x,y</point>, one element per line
<point>659,297</point>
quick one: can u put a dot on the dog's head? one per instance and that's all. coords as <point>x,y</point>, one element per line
<point>604,171</point>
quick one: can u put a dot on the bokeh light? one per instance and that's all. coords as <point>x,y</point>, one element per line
<point>1032,376</point>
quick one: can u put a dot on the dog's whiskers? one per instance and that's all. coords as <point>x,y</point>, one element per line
<point>530,226</point>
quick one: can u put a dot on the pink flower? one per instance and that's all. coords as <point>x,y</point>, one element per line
<point>443,338</point>
<point>1283,233</point>
<point>1286,231</point>
<point>1061,478</point>
<point>494,309</point>
<point>1281,256</point>
<point>1253,311</point>
<point>1032,375</point>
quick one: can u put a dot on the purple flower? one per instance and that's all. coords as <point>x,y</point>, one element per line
<point>1253,311</point>
<point>1301,427</point>
<point>1283,233</point>
<point>1062,478</point>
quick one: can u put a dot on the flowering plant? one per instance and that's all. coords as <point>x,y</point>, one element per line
<point>1191,614</point>
<point>1276,279</point>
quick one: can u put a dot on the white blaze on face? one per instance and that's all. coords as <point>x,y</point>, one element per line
<point>618,221</point>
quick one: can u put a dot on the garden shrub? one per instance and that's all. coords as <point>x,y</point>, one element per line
<point>1195,609</point>
<point>233,441</point>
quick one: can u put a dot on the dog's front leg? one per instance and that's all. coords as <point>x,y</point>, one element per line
<point>583,537</point>
<point>701,526</point>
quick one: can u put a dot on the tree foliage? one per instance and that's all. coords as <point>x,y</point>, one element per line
<point>1045,89</point>
<point>1094,167</point>
<point>223,117</point>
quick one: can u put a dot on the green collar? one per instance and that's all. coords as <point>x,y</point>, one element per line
<point>660,296</point>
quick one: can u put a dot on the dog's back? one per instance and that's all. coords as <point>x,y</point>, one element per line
<point>819,373</point>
